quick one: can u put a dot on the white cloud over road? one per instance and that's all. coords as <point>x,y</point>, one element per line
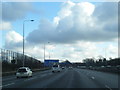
<point>5,26</point>
<point>74,52</point>
<point>13,40</point>
<point>79,21</point>
<point>74,33</point>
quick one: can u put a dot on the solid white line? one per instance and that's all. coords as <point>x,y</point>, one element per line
<point>108,87</point>
<point>7,85</point>
<point>93,77</point>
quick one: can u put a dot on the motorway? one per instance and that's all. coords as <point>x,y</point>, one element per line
<point>67,78</point>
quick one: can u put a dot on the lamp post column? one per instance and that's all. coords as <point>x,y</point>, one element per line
<point>24,41</point>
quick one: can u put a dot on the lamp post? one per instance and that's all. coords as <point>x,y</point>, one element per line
<point>44,51</point>
<point>24,39</point>
<point>105,53</point>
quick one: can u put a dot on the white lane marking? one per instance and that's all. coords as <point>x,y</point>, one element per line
<point>93,77</point>
<point>108,87</point>
<point>7,85</point>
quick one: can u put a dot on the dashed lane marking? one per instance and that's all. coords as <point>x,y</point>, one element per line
<point>93,77</point>
<point>108,87</point>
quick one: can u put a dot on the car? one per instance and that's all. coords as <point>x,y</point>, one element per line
<point>63,67</point>
<point>23,72</point>
<point>56,68</point>
<point>70,67</point>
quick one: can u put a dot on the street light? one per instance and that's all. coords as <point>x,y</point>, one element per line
<point>44,51</point>
<point>24,39</point>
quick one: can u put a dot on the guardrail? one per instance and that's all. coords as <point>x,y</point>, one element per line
<point>13,72</point>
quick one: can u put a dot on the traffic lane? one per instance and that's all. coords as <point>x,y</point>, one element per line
<point>10,80</point>
<point>54,81</point>
<point>74,79</point>
<point>106,79</point>
<point>66,79</point>
<point>71,78</point>
<point>13,77</point>
<point>31,81</point>
<point>46,81</point>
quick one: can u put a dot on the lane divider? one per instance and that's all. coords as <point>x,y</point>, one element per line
<point>93,77</point>
<point>108,87</point>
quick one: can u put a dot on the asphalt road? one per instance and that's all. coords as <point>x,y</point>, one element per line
<point>67,78</point>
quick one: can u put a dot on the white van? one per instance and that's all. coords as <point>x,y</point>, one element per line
<point>56,68</point>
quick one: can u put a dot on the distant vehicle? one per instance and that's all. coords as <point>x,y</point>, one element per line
<point>108,66</point>
<point>23,72</point>
<point>56,68</point>
<point>63,67</point>
<point>118,66</point>
<point>70,67</point>
<point>102,66</point>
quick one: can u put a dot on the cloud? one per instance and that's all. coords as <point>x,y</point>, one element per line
<point>80,50</point>
<point>78,21</point>
<point>75,52</point>
<point>112,50</point>
<point>12,11</point>
<point>108,16</point>
<point>106,11</point>
<point>13,40</point>
<point>5,26</point>
<point>77,32</point>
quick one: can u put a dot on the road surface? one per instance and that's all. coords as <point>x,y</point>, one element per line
<point>67,78</point>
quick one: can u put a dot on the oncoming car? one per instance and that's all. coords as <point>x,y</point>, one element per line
<point>23,72</point>
<point>56,68</point>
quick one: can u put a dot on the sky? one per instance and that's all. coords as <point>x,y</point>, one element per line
<point>69,30</point>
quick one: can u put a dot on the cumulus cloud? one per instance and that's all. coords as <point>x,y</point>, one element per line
<point>78,27</point>
<point>12,11</point>
<point>74,52</point>
<point>80,50</point>
<point>13,40</point>
<point>112,50</point>
<point>79,21</point>
<point>5,26</point>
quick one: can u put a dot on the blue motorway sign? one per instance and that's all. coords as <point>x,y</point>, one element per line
<point>49,63</point>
